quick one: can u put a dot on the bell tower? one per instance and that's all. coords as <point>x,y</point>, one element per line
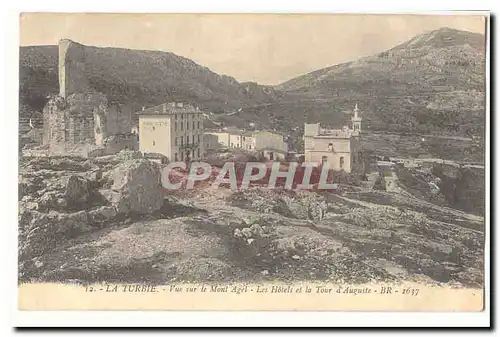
<point>356,121</point>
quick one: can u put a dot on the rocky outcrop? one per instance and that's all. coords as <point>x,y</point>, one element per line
<point>40,232</point>
<point>299,205</point>
<point>354,236</point>
<point>60,198</point>
<point>135,187</point>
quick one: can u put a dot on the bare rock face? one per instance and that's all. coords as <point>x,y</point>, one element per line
<point>28,186</point>
<point>59,198</point>
<point>301,205</point>
<point>39,232</point>
<point>102,215</point>
<point>307,205</point>
<point>76,190</point>
<point>136,187</point>
<point>71,192</point>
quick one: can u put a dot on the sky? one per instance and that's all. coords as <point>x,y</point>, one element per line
<point>263,48</point>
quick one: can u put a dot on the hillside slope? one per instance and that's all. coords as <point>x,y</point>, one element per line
<point>433,82</point>
<point>356,235</point>
<point>137,78</point>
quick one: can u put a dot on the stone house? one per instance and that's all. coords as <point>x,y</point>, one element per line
<point>337,148</point>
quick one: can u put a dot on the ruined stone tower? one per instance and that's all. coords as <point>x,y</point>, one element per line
<point>72,77</point>
<point>79,120</point>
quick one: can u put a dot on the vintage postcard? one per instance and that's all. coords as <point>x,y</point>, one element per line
<point>316,162</point>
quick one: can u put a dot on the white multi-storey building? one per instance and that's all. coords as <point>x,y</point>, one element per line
<point>174,130</point>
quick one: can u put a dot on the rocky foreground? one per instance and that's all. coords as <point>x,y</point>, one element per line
<point>109,220</point>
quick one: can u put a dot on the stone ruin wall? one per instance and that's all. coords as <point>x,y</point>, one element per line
<point>80,121</point>
<point>118,120</point>
<point>70,124</point>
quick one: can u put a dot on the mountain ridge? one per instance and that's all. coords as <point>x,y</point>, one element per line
<point>137,77</point>
<point>475,39</point>
<point>423,85</point>
<point>434,82</point>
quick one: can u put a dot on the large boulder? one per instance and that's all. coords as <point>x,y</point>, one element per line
<point>72,192</point>
<point>135,187</point>
<point>76,190</point>
<point>102,215</point>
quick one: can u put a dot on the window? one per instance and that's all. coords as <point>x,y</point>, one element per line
<point>198,124</point>
<point>175,141</point>
<point>194,126</point>
<point>176,115</point>
<point>153,143</point>
<point>182,116</point>
<point>182,154</point>
<point>341,162</point>
<point>187,125</point>
<point>175,127</point>
<point>182,126</point>
<point>175,156</point>
<point>324,159</point>
<point>199,137</point>
<point>182,141</point>
<point>198,152</point>
<point>153,127</point>
<point>187,139</point>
